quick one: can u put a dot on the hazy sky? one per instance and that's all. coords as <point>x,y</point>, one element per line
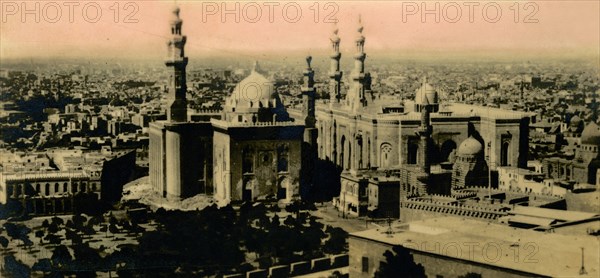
<point>570,27</point>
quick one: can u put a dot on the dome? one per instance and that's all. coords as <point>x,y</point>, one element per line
<point>575,121</point>
<point>426,94</point>
<point>254,91</point>
<point>591,135</point>
<point>469,147</point>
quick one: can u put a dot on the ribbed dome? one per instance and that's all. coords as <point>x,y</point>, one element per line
<point>254,91</point>
<point>469,147</point>
<point>591,134</point>
<point>426,94</point>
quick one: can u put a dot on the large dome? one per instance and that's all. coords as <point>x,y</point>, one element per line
<point>469,147</point>
<point>591,135</point>
<point>426,94</point>
<point>253,92</point>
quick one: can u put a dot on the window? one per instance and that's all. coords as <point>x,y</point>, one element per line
<point>365,264</point>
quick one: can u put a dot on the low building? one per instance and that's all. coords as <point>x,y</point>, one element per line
<point>451,247</point>
<point>525,180</point>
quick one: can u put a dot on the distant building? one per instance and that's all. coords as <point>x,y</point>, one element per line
<point>583,167</point>
<point>427,146</point>
<point>80,180</point>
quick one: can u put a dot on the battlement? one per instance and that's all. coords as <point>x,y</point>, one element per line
<point>452,208</point>
<point>224,124</point>
<point>43,176</point>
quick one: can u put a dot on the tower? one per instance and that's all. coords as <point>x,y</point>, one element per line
<point>335,75</point>
<point>177,104</point>
<point>308,95</point>
<point>361,81</point>
<point>309,145</point>
<point>425,134</point>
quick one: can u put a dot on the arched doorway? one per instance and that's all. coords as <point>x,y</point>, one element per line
<point>283,189</point>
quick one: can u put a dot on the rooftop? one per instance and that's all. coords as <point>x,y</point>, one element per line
<point>495,244</point>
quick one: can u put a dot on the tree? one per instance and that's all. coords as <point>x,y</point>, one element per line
<point>3,242</point>
<point>40,234</point>
<point>336,243</point>
<point>399,263</point>
<point>15,268</point>
<point>61,257</point>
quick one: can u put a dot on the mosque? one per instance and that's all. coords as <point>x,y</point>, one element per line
<point>252,151</point>
<point>259,149</point>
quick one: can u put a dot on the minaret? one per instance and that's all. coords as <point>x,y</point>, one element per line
<point>425,134</point>
<point>309,147</point>
<point>361,80</point>
<point>335,75</point>
<point>177,104</point>
<point>308,95</point>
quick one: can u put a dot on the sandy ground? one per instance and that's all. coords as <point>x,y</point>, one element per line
<point>141,191</point>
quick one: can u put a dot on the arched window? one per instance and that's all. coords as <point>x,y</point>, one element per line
<point>282,159</point>
<point>413,151</point>
<point>248,161</point>
<point>385,155</point>
<point>504,154</point>
<point>342,152</point>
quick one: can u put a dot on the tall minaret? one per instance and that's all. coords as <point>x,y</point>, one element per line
<point>309,146</point>
<point>361,80</point>
<point>335,75</point>
<point>308,95</point>
<point>177,104</point>
<point>425,134</point>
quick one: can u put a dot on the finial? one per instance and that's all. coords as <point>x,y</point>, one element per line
<point>360,26</point>
<point>308,60</point>
<point>424,79</point>
<point>255,67</point>
<point>176,10</point>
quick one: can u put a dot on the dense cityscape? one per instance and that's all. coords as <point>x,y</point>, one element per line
<point>333,164</point>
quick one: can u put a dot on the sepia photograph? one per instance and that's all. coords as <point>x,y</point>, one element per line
<point>323,139</point>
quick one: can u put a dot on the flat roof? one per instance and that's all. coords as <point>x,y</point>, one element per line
<point>494,244</point>
<point>562,215</point>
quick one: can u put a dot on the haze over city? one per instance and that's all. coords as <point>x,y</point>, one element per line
<point>540,29</point>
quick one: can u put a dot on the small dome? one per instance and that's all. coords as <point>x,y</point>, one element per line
<point>426,94</point>
<point>575,121</point>
<point>469,147</point>
<point>591,135</point>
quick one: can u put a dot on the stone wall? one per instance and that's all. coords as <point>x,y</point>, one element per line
<point>369,253</point>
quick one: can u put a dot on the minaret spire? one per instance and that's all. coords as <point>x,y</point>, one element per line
<point>335,75</point>
<point>361,80</point>
<point>176,59</point>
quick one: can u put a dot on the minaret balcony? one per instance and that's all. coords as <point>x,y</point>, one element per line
<point>360,56</point>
